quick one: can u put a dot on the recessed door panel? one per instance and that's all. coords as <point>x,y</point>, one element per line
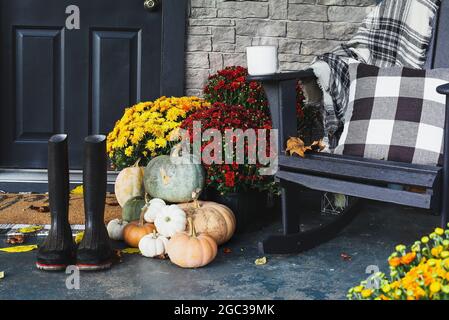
<point>39,73</point>
<point>116,75</point>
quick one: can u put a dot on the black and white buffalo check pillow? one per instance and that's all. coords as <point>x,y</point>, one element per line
<point>395,114</point>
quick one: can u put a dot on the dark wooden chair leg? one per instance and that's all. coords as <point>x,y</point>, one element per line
<point>444,89</point>
<point>293,240</point>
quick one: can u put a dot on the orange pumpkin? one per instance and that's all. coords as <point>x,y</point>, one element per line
<point>136,230</point>
<point>189,250</point>
<point>217,220</point>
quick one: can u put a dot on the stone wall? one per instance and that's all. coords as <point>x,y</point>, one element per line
<point>220,30</point>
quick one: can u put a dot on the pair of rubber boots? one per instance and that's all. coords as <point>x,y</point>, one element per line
<point>59,249</point>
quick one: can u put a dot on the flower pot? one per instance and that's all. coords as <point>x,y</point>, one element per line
<point>253,210</point>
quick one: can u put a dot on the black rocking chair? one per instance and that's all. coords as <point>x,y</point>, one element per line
<point>352,176</point>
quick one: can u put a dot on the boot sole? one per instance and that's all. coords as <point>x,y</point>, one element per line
<point>94,267</point>
<point>51,267</point>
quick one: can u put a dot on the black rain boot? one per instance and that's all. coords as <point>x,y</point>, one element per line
<point>94,251</point>
<point>58,249</point>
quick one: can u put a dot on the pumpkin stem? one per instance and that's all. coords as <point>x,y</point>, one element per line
<point>191,227</point>
<point>147,197</point>
<point>137,163</point>
<point>154,234</point>
<point>142,214</point>
<point>195,196</point>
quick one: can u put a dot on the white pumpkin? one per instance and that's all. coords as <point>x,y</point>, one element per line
<point>153,245</point>
<point>115,229</point>
<point>154,206</point>
<point>170,220</point>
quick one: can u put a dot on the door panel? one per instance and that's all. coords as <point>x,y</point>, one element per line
<point>114,87</point>
<point>55,80</point>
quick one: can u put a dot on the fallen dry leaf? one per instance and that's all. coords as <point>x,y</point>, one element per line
<point>2,274</point>
<point>31,229</point>
<point>261,261</point>
<point>112,204</point>
<point>15,239</point>
<point>227,250</point>
<point>296,146</point>
<point>19,249</point>
<point>42,209</point>
<point>130,251</point>
<point>79,237</point>
<point>346,257</point>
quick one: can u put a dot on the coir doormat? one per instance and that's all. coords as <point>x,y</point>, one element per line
<point>34,209</point>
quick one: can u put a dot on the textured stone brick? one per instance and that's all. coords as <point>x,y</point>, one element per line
<point>199,43</point>
<point>198,60</point>
<point>221,34</point>
<point>196,78</point>
<point>203,13</point>
<point>278,9</point>
<point>307,12</point>
<point>340,30</point>
<point>236,59</point>
<point>348,14</point>
<point>316,47</point>
<point>347,2</point>
<point>243,10</point>
<point>305,30</point>
<point>261,28</point>
<point>289,46</point>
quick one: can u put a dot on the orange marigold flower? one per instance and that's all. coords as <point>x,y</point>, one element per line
<point>408,258</point>
<point>394,262</point>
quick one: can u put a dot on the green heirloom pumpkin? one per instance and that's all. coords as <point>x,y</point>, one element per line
<point>132,209</point>
<point>171,179</point>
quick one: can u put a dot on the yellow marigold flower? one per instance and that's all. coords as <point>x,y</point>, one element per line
<point>161,142</point>
<point>439,231</point>
<point>151,145</point>
<point>366,293</point>
<point>425,240</point>
<point>129,151</point>
<point>400,248</point>
<point>386,288</point>
<point>435,287</point>
<point>358,289</point>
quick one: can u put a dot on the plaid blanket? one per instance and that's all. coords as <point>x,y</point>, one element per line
<point>396,33</point>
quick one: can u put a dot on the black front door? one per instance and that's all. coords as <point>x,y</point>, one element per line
<point>56,78</point>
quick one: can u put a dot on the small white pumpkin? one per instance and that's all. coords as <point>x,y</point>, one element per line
<point>154,206</point>
<point>115,229</point>
<point>170,220</point>
<point>153,245</point>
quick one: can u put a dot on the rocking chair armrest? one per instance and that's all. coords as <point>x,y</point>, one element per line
<point>284,76</point>
<point>444,89</point>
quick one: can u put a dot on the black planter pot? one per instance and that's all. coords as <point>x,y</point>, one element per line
<point>253,210</point>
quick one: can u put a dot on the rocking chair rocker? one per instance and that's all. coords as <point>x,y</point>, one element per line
<point>352,176</point>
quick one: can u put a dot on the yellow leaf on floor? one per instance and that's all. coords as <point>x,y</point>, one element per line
<point>78,190</point>
<point>79,236</point>
<point>31,229</point>
<point>2,274</point>
<point>131,250</point>
<point>261,261</point>
<point>19,249</point>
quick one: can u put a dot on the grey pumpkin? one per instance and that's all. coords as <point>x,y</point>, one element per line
<point>173,181</point>
<point>132,209</point>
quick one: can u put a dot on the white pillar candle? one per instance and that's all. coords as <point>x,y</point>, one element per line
<point>262,60</point>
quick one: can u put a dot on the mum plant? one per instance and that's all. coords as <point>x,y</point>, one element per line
<point>145,129</point>
<point>420,272</point>
<point>229,86</point>
<point>235,176</point>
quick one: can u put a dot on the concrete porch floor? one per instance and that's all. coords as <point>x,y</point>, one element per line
<point>320,273</point>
